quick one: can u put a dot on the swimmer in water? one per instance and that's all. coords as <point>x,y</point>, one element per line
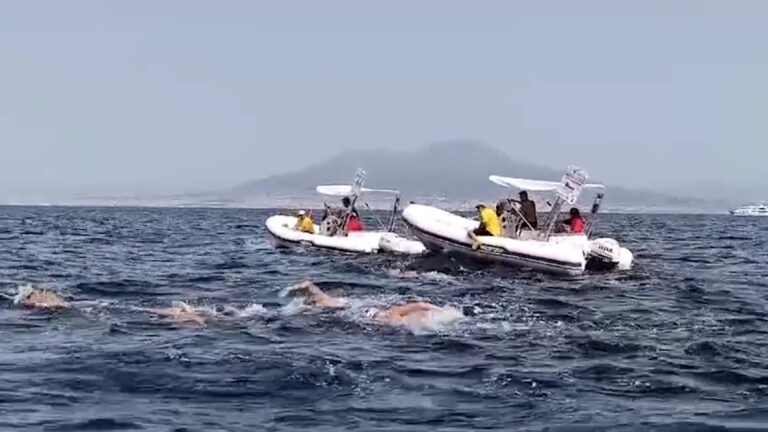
<point>184,313</point>
<point>314,296</point>
<point>414,312</point>
<point>417,312</point>
<point>39,298</point>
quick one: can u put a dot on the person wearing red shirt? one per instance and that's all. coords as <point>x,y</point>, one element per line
<point>354,224</point>
<point>574,224</point>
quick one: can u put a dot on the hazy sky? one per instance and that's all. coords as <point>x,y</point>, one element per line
<point>137,96</point>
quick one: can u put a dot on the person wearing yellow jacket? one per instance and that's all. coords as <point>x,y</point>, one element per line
<point>490,225</point>
<point>304,223</point>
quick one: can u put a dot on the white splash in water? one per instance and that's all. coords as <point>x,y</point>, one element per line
<point>434,276</point>
<point>435,321</point>
<point>294,307</point>
<point>438,277</point>
<point>23,292</point>
<point>251,310</point>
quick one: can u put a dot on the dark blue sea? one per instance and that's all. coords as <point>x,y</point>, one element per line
<point>679,343</point>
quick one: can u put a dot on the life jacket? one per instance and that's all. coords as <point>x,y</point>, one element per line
<point>306,225</point>
<point>577,225</point>
<point>491,221</point>
<point>354,224</point>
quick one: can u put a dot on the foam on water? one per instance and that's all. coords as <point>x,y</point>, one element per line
<point>437,320</point>
<point>22,292</point>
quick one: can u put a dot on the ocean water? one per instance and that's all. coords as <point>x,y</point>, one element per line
<point>678,343</point>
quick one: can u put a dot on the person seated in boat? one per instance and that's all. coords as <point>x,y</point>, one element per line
<point>528,210</point>
<point>304,223</point>
<point>354,224</point>
<point>574,224</point>
<point>489,225</point>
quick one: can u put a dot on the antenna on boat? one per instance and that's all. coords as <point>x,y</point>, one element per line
<point>393,218</point>
<point>593,213</point>
<point>359,180</point>
<point>356,191</point>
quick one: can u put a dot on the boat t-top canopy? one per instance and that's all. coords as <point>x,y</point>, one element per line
<point>533,185</point>
<point>354,192</point>
<point>346,190</point>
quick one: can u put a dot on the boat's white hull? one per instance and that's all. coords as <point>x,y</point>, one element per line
<point>364,242</point>
<point>441,231</point>
<point>752,210</point>
<point>748,214</point>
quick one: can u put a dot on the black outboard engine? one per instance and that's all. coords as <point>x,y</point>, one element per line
<point>331,225</point>
<point>510,221</point>
<point>333,221</point>
<point>508,225</point>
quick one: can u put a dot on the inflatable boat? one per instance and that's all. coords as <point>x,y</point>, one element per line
<point>366,242</point>
<point>541,249</point>
<point>332,232</point>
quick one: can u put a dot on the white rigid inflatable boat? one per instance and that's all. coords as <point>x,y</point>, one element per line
<point>572,254</point>
<point>365,242</point>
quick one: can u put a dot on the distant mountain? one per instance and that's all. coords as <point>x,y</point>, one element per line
<point>452,170</point>
<point>457,170</point>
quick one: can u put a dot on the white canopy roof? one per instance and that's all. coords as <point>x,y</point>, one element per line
<point>346,190</point>
<point>532,185</point>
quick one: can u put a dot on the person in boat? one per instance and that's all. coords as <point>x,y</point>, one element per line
<point>353,223</point>
<point>528,210</point>
<point>304,223</point>
<point>490,225</point>
<point>346,202</point>
<point>574,224</point>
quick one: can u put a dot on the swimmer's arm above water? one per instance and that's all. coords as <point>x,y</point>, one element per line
<point>404,310</point>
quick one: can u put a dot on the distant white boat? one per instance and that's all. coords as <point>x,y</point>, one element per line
<point>753,210</point>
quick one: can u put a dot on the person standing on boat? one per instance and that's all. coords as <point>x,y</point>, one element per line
<point>304,223</point>
<point>354,223</point>
<point>489,225</point>
<point>528,210</point>
<point>574,224</point>
<point>347,203</point>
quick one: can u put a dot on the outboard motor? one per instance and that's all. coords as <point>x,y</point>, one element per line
<point>332,223</point>
<point>509,219</point>
<point>329,226</point>
<point>603,254</point>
